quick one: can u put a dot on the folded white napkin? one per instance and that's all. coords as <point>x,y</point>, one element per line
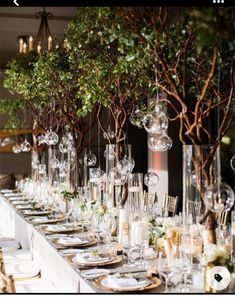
<point>56,227</point>
<point>124,282</point>
<point>90,258</point>
<point>70,241</point>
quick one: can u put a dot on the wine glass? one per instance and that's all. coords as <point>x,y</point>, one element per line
<point>165,269</point>
<point>97,228</point>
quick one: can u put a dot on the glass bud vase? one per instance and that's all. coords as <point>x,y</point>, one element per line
<point>118,164</point>
<point>201,168</point>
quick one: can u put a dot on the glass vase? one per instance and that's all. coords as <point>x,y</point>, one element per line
<point>201,168</point>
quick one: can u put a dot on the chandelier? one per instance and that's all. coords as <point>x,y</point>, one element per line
<point>43,41</point>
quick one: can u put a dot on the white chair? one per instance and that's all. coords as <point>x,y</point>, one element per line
<point>9,245</point>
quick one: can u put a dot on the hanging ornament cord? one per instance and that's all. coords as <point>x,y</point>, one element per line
<point>98,145</point>
<point>25,123</point>
<point>89,134</point>
<point>217,157</point>
<point>156,82</point>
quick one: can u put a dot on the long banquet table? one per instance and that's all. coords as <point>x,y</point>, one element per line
<point>65,276</point>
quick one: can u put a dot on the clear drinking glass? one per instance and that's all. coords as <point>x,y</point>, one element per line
<point>135,192</point>
<point>166,270</point>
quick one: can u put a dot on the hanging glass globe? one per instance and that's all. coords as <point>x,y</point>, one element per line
<point>65,145</point>
<point>232,163</point>
<point>165,142</point>
<point>89,159</point>
<point>109,134</point>
<point>155,124</point>
<point>97,175</point>
<point>219,197</point>
<point>16,149</point>
<point>194,179</point>
<point>25,146</point>
<point>126,165</point>
<point>151,179</point>
<point>137,118</point>
<point>51,138</point>
<point>117,177</point>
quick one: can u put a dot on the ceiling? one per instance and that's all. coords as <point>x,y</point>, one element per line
<point>18,21</point>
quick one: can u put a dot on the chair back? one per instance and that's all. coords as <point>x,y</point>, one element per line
<point>8,283</point>
<point>223,218</point>
<point>169,207</point>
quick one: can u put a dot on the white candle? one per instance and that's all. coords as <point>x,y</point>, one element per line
<point>24,48</point>
<point>21,42</point>
<point>30,43</point>
<point>39,48</point>
<point>123,234</point>
<point>49,43</point>
<point>138,232</point>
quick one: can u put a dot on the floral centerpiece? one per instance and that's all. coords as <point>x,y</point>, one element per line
<point>216,255</point>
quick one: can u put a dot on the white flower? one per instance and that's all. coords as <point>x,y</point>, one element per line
<point>211,252</point>
<point>223,251</point>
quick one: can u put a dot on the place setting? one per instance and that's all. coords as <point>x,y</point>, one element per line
<point>94,258</point>
<point>75,241</point>
<point>61,228</point>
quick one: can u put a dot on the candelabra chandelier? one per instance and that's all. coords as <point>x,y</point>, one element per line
<point>43,41</point>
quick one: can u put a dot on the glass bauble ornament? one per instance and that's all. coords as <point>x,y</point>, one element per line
<point>155,124</point>
<point>25,146</point>
<point>117,177</point>
<point>89,159</point>
<point>109,134</point>
<point>16,149</point>
<point>51,138</point>
<point>137,118</point>
<point>97,175</point>
<point>232,163</point>
<point>65,145</point>
<point>151,179</point>
<point>165,141</point>
<point>194,179</point>
<point>126,165</point>
<point>219,197</point>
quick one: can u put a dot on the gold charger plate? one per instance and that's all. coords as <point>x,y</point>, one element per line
<point>49,221</point>
<point>62,231</point>
<point>62,246</point>
<point>155,282</point>
<point>115,260</point>
<point>36,213</point>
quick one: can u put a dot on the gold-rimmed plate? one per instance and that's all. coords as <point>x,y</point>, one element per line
<point>44,220</point>
<point>61,228</point>
<point>151,283</point>
<point>114,259</point>
<point>89,243</point>
<point>36,213</point>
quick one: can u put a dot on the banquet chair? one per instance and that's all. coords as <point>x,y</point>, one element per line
<point>194,208</point>
<point>8,283</point>
<point>223,217</point>
<point>23,270</point>
<point>169,206</point>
